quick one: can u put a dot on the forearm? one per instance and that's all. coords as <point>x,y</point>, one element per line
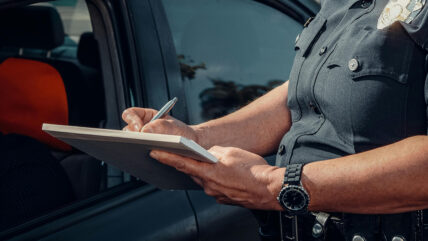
<point>258,127</point>
<point>390,179</point>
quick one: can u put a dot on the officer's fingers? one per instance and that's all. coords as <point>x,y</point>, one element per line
<point>140,115</point>
<point>211,190</point>
<point>224,200</point>
<point>217,151</point>
<point>181,163</point>
<point>198,181</point>
<point>134,122</point>
<point>147,128</point>
<point>161,126</point>
<point>156,126</point>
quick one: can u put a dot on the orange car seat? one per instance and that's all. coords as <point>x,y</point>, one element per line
<point>32,92</point>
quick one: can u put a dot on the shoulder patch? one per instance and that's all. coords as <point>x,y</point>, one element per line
<point>399,10</point>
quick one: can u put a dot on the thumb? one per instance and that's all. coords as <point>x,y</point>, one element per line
<point>216,151</point>
<point>147,129</point>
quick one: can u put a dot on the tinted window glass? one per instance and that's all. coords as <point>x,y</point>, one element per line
<point>230,52</point>
<point>75,17</point>
<point>37,176</point>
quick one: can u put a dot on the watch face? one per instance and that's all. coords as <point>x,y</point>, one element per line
<point>294,198</point>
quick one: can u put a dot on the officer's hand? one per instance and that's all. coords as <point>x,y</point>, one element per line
<point>240,177</point>
<point>138,120</point>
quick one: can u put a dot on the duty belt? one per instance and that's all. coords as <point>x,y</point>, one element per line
<point>412,226</point>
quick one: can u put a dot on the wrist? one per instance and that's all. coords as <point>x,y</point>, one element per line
<point>293,197</point>
<point>275,186</point>
<point>200,136</point>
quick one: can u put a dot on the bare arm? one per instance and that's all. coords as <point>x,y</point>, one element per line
<point>261,124</point>
<point>390,179</point>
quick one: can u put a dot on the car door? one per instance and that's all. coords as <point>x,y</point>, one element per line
<point>223,54</point>
<point>127,209</point>
<point>142,65</point>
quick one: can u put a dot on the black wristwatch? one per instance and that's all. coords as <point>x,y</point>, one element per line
<point>293,197</point>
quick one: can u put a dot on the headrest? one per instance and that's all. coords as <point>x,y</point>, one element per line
<point>30,98</point>
<point>38,27</point>
<point>87,51</point>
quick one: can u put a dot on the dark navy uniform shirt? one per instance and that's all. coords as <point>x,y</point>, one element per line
<point>354,87</point>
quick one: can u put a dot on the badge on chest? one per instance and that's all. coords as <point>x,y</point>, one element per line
<point>399,10</point>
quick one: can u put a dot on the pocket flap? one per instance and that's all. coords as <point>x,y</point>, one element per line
<point>377,54</point>
<point>372,65</point>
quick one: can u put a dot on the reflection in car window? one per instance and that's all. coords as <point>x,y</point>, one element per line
<point>230,52</point>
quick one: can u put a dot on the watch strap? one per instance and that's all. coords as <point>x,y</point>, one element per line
<point>293,174</point>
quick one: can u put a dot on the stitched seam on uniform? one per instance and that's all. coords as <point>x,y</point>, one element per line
<point>294,138</point>
<point>406,99</point>
<point>304,56</point>
<point>407,60</point>
<point>308,133</point>
<point>405,109</point>
<point>321,65</point>
<point>295,91</point>
<point>351,117</point>
<point>368,10</point>
<point>389,74</point>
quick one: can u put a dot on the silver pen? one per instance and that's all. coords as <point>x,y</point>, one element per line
<point>165,109</point>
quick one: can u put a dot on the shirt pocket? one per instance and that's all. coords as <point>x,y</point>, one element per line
<point>374,53</point>
<point>373,68</point>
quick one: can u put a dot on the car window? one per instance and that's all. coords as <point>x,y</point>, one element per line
<point>76,21</point>
<point>229,51</point>
<point>75,17</point>
<point>55,169</point>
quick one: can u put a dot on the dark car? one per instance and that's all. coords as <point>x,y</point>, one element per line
<point>214,55</point>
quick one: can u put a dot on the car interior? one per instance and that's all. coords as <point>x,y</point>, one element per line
<point>45,77</point>
<point>50,72</point>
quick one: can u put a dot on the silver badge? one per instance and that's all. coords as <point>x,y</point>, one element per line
<point>399,10</point>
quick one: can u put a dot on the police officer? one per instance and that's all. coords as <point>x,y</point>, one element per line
<point>350,124</point>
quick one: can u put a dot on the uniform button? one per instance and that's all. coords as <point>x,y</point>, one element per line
<point>297,38</point>
<point>353,64</point>
<point>365,3</point>
<point>317,230</point>
<point>323,50</point>
<point>398,238</point>
<point>358,238</point>
<point>281,150</point>
<point>314,108</point>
